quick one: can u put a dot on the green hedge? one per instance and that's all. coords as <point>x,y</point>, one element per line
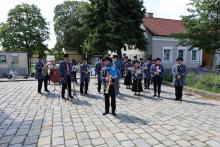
<point>203,81</point>
<point>207,81</point>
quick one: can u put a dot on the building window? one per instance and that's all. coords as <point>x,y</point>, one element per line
<point>167,54</point>
<point>181,53</point>
<point>195,55</point>
<point>2,59</point>
<point>15,60</point>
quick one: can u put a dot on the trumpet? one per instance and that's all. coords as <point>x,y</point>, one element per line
<point>109,82</point>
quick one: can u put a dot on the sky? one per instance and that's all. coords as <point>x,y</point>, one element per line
<point>171,9</point>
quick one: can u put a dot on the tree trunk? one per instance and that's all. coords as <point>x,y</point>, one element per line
<point>28,60</point>
<point>119,53</point>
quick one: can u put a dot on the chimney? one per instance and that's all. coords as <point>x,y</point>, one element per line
<point>150,15</point>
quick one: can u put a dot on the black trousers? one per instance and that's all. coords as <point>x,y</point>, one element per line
<point>40,83</point>
<point>99,86</point>
<point>107,99</point>
<point>157,81</point>
<point>74,76</point>
<point>147,82</point>
<point>86,83</point>
<point>66,86</point>
<point>178,92</point>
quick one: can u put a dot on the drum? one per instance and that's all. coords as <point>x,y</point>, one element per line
<point>55,75</point>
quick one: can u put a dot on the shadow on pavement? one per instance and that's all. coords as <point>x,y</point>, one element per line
<point>17,123</point>
<point>80,102</point>
<point>126,118</point>
<point>192,102</point>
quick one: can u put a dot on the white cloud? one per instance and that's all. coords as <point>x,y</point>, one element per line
<point>172,9</point>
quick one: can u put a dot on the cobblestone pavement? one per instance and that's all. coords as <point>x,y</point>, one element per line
<point>29,119</point>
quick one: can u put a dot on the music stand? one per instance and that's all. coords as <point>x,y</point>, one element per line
<point>54,88</point>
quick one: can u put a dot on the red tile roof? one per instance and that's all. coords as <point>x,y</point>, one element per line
<point>163,27</point>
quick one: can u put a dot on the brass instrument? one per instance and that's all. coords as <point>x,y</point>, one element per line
<point>179,69</point>
<point>109,83</point>
<point>138,73</point>
<point>158,71</point>
<point>126,72</point>
<point>45,69</point>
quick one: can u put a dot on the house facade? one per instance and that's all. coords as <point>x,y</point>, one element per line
<point>161,44</point>
<point>158,32</point>
<point>15,62</point>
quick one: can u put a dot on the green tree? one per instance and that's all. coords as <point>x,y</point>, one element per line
<point>96,22</point>
<point>69,24</point>
<point>125,19</point>
<point>25,30</point>
<point>113,24</point>
<point>202,26</point>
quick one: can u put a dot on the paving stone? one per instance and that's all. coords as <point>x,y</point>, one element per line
<point>121,136</point>
<point>111,141</point>
<point>141,143</point>
<point>152,141</point>
<point>82,135</point>
<point>173,137</point>
<point>5,139</point>
<point>127,143</point>
<point>94,134</point>
<point>71,142</point>
<point>197,143</point>
<point>57,141</point>
<point>18,139</point>
<point>98,141</point>
<point>84,142</point>
<point>183,143</point>
<point>168,142</point>
<point>31,140</point>
<point>44,141</point>
<point>212,143</point>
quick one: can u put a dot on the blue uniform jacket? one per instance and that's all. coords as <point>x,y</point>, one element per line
<point>63,71</point>
<point>118,65</point>
<point>140,75</point>
<point>147,73</point>
<point>98,71</point>
<point>154,69</point>
<point>38,67</point>
<point>181,72</point>
<point>83,75</point>
<point>114,72</point>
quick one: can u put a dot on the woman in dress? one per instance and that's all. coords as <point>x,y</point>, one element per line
<point>137,78</point>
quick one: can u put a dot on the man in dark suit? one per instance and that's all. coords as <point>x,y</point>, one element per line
<point>98,71</point>
<point>157,71</point>
<point>179,74</point>
<point>84,76</point>
<point>39,76</point>
<point>65,73</point>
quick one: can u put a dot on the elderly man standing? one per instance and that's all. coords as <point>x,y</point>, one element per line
<point>179,75</point>
<point>84,77</point>
<point>65,73</point>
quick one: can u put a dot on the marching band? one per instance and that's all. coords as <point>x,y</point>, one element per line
<point>109,71</point>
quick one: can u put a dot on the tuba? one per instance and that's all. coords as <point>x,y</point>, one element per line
<point>108,83</point>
